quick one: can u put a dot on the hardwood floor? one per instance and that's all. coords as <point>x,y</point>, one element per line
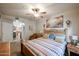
<point>10,49</point>
<point>4,48</point>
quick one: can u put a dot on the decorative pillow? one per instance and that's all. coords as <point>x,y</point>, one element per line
<point>52,36</point>
<point>45,36</point>
<point>60,38</point>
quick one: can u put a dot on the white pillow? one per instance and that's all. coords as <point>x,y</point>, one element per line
<point>59,40</point>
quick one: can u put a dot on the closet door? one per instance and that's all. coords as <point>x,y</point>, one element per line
<point>7,31</point>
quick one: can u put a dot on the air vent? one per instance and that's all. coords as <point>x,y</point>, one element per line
<point>43,12</point>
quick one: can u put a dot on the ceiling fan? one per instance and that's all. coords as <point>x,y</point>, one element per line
<point>36,12</point>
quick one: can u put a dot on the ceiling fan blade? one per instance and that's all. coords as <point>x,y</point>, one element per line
<point>28,14</point>
<point>43,12</point>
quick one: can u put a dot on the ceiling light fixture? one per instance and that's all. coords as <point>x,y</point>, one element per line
<point>36,11</point>
<point>36,15</point>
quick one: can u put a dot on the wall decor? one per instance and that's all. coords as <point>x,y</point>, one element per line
<point>30,28</point>
<point>56,22</point>
<point>68,22</point>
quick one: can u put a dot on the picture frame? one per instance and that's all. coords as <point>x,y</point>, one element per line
<point>56,22</point>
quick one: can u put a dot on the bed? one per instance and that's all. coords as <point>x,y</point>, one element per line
<point>43,47</point>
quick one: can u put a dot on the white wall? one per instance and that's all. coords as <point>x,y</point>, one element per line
<point>72,15</point>
<point>7,28</point>
<point>7,31</point>
<point>39,25</point>
<point>26,33</point>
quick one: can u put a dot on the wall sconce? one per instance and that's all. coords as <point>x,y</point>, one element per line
<point>68,22</point>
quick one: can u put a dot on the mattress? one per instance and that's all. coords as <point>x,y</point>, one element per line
<point>45,47</point>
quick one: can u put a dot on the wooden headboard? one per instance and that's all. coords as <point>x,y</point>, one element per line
<point>55,31</point>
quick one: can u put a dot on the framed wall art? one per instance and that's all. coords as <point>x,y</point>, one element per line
<point>56,22</point>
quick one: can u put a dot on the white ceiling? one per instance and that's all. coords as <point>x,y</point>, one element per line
<point>22,9</point>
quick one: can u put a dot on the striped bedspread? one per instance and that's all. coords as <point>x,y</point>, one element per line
<point>45,47</point>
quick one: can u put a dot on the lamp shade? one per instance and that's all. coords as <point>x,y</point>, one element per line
<point>75,37</point>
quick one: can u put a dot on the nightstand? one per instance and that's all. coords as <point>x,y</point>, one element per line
<point>72,48</point>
